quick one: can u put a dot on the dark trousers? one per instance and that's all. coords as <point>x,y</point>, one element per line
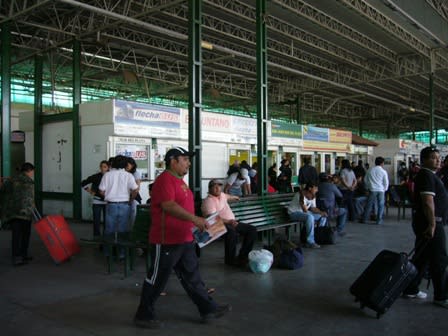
<point>348,203</point>
<point>182,258</point>
<point>431,253</point>
<point>98,219</point>
<point>21,231</point>
<point>249,234</point>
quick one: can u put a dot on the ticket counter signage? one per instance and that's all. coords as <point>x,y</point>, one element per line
<point>139,119</point>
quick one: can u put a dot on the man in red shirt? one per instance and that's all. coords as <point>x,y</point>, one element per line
<point>172,245</point>
<point>216,201</point>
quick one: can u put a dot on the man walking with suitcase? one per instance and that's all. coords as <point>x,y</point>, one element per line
<point>172,245</point>
<point>429,216</point>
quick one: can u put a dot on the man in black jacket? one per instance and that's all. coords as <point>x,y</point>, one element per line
<point>91,185</point>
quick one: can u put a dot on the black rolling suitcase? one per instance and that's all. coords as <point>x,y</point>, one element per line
<point>383,281</point>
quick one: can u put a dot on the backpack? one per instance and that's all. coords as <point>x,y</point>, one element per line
<point>287,255</point>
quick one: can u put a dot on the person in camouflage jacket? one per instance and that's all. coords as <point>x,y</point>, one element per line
<point>18,204</point>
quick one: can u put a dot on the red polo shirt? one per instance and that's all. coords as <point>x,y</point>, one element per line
<point>166,229</point>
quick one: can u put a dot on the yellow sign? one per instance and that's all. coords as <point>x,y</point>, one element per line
<point>326,146</point>
<point>340,136</point>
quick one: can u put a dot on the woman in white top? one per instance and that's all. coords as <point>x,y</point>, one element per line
<point>303,208</point>
<point>235,183</point>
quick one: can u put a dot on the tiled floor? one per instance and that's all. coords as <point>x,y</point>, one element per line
<point>78,298</point>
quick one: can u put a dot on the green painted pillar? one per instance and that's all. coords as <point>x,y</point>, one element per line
<point>6,100</point>
<point>195,95</point>
<point>262,97</point>
<point>298,112</point>
<point>77,210</point>
<point>431,109</point>
<point>38,75</point>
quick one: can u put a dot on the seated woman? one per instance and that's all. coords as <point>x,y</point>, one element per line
<point>235,182</point>
<point>303,208</point>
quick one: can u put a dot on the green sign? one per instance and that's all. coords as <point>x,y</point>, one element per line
<point>281,129</point>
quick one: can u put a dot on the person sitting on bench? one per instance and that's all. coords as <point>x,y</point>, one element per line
<point>303,208</point>
<point>216,201</point>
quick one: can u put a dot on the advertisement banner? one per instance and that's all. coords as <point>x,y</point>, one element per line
<point>134,151</point>
<point>132,113</point>
<point>326,146</point>
<point>244,126</point>
<point>340,136</point>
<point>283,129</point>
<point>312,133</point>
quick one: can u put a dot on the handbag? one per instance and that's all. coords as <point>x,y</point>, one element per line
<point>324,235</point>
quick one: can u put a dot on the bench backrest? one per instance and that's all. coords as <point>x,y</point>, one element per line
<point>265,210</point>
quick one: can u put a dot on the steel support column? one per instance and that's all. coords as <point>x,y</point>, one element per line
<point>298,112</point>
<point>431,109</point>
<point>6,100</point>
<point>431,99</point>
<point>262,96</point>
<point>38,75</point>
<point>195,95</point>
<point>77,210</point>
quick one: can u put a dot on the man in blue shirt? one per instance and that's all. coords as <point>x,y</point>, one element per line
<point>326,201</point>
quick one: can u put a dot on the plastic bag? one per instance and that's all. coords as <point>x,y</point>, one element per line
<point>260,261</point>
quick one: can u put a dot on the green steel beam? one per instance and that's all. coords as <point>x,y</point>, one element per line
<point>195,95</point>
<point>52,118</point>
<point>431,109</point>
<point>38,73</point>
<point>262,96</point>
<point>58,196</point>
<point>77,210</point>
<point>6,100</point>
<point>298,112</point>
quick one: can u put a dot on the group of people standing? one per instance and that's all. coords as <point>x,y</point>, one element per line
<point>115,191</point>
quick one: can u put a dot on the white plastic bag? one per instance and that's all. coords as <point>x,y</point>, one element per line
<point>260,261</point>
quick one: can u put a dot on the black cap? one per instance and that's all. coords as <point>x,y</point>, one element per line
<point>176,152</point>
<point>323,177</point>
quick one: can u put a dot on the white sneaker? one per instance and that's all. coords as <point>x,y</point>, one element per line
<point>441,303</point>
<point>420,295</point>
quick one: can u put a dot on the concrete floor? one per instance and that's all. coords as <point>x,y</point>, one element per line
<point>78,298</point>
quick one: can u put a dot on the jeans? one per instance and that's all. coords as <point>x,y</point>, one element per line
<point>132,214</point>
<point>375,197</point>
<point>117,216</point>
<point>341,219</point>
<point>309,218</point>
<point>348,202</point>
<point>97,209</point>
<point>360,203</point>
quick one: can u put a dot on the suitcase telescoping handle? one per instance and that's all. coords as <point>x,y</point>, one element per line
<point>419,248</point>
<point>36,215</point>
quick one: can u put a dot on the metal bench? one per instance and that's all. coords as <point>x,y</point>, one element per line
<point>266,213</point>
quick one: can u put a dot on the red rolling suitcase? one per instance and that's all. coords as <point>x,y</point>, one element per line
<point>57,236</point>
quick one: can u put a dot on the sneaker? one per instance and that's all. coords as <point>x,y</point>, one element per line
<point>420,295</point>
<point>441,303</point>
<point>147,324</point>
<point>312,246</point>
<point>220,311</point>
<point>342,234</point>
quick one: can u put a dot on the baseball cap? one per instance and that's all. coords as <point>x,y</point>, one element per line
<point>214,182</point>
<point>177,151</point>
<point>323,176</point>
